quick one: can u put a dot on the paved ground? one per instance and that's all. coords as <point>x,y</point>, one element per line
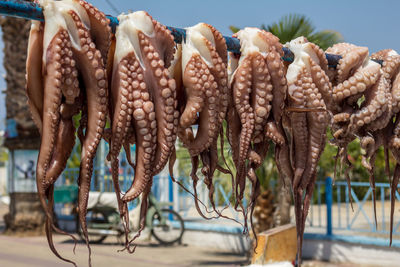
<point>33,251</point>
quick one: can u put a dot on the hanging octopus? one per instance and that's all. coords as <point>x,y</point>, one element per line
<point>144,106</point>
<point>258,93</point>
<point>353,78</point>
<point>360,97</point>
<point>203,99</point>
<point>65,71</point>
<point>309,89</point>
<point>383,131</point>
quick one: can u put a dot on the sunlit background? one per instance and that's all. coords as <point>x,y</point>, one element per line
<point>368,23</point>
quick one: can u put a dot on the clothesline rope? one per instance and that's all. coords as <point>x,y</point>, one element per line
<point>32,11</point>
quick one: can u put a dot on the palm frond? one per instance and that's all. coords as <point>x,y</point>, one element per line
<point>292,26</point>
<point>326,38</point>
<point>234,29</point>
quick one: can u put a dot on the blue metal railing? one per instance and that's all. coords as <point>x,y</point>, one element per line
<point>362,219</point>
<point>330,213</point>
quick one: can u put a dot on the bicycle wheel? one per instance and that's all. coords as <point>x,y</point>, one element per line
<point>93,217</point>
<point>167,227</point>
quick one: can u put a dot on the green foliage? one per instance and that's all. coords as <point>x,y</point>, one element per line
<point>292,26</point>
<point>3,152</point>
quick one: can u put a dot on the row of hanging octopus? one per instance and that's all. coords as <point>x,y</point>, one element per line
<point>153,91</point>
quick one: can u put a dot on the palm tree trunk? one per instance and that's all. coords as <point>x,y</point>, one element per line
<point>282,210</point>
<point>25,212</point>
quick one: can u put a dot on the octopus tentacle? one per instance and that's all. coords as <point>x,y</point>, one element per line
<point>34,81</point>
<point>51,104</point>
<point>121,114</point>
<point>90,64</point>
<point>363,78</point>
<point>307,84</point>
<point>352,58</point>
<point>299,122</point>
<point>241,86</point>
<point>100,31</point>
<point>200,45</point>
<point>261,96</point>
<point>164,97</point>
<point>277,71</point>
<point>195,91</point>
<point>157,51</point>
<point>374,106</point>
<point>145,125</point>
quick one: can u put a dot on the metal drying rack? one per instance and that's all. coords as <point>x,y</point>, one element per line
<point>32,11</point>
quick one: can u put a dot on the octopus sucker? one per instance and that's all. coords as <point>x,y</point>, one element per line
<point>199,58</point>
<point>258,96</point>
<point>140,52</point>
<point>251,95</point>
<point>153,90</point>
<point>306,90</point>
<point>99,29</point>
<point>143,120</point>
<point>63,68</point>
<point>352,58</point>
<point>277,72</point>
<point>94,79</point>
<point>355,72</point>
<point>203,95</point>
<point>241,86</point>
<point>121,117</point>
<point>53,155</point>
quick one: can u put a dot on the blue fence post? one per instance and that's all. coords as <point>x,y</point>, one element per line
<point>170,190</point>
<point>329,200</point>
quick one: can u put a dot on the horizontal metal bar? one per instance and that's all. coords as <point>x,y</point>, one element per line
<point>29,10</point>
<point>363,184</point>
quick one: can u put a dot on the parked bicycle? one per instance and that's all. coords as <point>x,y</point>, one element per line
<point>164,224</point>
<point>103,220</point>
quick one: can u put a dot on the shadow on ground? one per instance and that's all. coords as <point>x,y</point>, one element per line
<point>244,259</point>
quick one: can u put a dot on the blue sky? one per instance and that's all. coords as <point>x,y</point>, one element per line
<point>367,23</point>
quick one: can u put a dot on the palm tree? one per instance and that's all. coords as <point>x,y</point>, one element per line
<point>292,26</point>
<point>286,29</point>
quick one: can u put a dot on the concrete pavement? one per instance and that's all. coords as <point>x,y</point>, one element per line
<point>34,251</point>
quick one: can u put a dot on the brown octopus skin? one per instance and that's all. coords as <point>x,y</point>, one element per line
<point>34,81</point>
<point>255,95</point>
<point>352,58</point>
<point>121,120</point>
<point>210,156</point>
<point>219,71</point>
<point>241,94</point>
<point>144,124</point>
<point>54,151</point>
<point>365,80</point>
<point>306,81</point>
<point>52,158</point>
<point>162,91</point>
<point>204,79</point>
<point>382,131</point>
<point>100,30</point>
<point>350,65</point>
<point>90,65</point>
<point>154,105</point>
<point>210,78</point>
